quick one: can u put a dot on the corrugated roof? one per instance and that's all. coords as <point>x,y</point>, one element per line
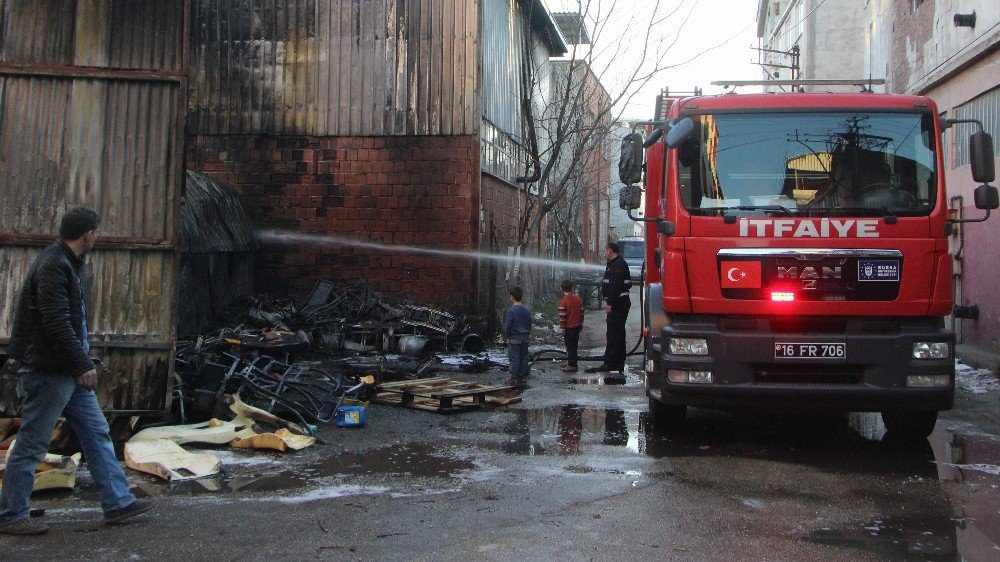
<point>572,27</point>
<point>543,24</point>
<point>212,218</point>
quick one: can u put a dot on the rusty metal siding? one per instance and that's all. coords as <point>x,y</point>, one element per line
<point>334,68</point>
<point>131,320</point>
<point>91,113</point>
<point>135,34</point>
<point>109,144</point>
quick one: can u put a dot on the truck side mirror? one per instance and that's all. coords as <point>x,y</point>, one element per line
<point>981,158</point>
<point>987,197</point>
<point>680,132</point>
<point>630,197</point>
<point>630,162</point>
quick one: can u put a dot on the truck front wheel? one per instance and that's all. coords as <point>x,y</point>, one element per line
<point>909,424</point>
<point>666,417</point>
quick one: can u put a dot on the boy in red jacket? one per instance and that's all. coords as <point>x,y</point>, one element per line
<point>571,321</point>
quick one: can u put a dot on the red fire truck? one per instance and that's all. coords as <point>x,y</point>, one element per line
<point>797,253</point>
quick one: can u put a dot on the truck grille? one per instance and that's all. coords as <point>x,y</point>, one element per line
<point>808,375</point>
<point>818,274</point>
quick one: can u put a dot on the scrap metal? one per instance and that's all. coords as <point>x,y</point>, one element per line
<point>299,360</point>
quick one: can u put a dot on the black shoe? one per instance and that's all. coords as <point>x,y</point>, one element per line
<point>25,526</point>
<point>603,368</point>
<point>137,507</point>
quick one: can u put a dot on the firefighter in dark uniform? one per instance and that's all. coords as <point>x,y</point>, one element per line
<point>614,289</point>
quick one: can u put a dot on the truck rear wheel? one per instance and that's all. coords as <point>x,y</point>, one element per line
<point>909,424</point>
<point>666,417</point>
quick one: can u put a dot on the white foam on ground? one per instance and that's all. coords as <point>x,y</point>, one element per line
<point>332,492</point>
<point>975,381</point>
<point>232,458</point>
<point>462,358</point>
<point>986,468</point>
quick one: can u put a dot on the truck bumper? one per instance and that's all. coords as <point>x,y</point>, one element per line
<point>871,376</point>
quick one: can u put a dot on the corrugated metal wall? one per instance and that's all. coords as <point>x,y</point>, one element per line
<point>91,113</point>
<point>986,108</point>
<point>335,68</point>
<point>503,55</point>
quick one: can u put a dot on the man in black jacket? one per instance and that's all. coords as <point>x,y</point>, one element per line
<point>57,378</point>
<point>614,289</point>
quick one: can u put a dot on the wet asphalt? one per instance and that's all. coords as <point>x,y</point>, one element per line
<point>573,472</point>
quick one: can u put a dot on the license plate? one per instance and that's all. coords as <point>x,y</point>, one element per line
<point>794,350</point>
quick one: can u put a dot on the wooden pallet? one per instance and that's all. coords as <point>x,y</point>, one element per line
<point>443,395</point>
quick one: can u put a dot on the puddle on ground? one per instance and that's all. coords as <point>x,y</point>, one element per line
<point>570,430</point>
<point>968,466</point>
<point>605,379</point>
<point>419,460</point>
<point>598,381</point>
<point>932,537</point>
<point>412,460</point>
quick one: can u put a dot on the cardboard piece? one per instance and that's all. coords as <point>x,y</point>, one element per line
<point>288,436</point>
<point>57,472</point>
<point>214,432</point>
<point>166,459</point>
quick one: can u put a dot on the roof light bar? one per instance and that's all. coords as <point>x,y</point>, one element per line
<point>803,82</point>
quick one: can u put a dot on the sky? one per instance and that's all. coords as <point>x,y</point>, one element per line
<point>711,40</point>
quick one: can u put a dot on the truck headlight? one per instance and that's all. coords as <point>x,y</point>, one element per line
<point>931,350</point>
<point>688,346</point>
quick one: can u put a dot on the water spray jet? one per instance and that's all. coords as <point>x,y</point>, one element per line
<point>278,236</point>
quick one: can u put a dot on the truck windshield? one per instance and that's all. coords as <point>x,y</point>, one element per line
<point>857,163</point>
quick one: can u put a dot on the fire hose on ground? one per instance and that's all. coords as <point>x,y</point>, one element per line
<point>642,322</point>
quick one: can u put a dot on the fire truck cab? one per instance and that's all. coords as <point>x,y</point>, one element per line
<point>797,254</point>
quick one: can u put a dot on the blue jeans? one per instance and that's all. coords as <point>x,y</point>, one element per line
<point>517,353</point>
<point>46,397</point>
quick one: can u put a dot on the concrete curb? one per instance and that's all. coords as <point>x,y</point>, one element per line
<point>978,357</point>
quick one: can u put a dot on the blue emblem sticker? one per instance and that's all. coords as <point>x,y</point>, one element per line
<point>878,270</point>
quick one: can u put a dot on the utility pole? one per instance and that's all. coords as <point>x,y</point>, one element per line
<point>793,58</point>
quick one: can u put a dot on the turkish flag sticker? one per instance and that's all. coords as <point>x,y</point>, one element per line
<point>740,274</point>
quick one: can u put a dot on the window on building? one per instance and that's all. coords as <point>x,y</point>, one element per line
<point>985,108</point>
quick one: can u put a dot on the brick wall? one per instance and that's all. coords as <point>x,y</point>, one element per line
<point>501,206</point>
<point>415,191</point>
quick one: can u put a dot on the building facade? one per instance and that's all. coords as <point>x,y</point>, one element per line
<point>582,169</point>
<point>810,39</point>
<point>949,50</point>
<point>394,123</point>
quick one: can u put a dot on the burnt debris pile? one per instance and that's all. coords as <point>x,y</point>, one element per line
<point>304,360</point>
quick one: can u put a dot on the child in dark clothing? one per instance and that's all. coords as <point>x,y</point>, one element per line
<point>571,321</point>
<point>517,330</point>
